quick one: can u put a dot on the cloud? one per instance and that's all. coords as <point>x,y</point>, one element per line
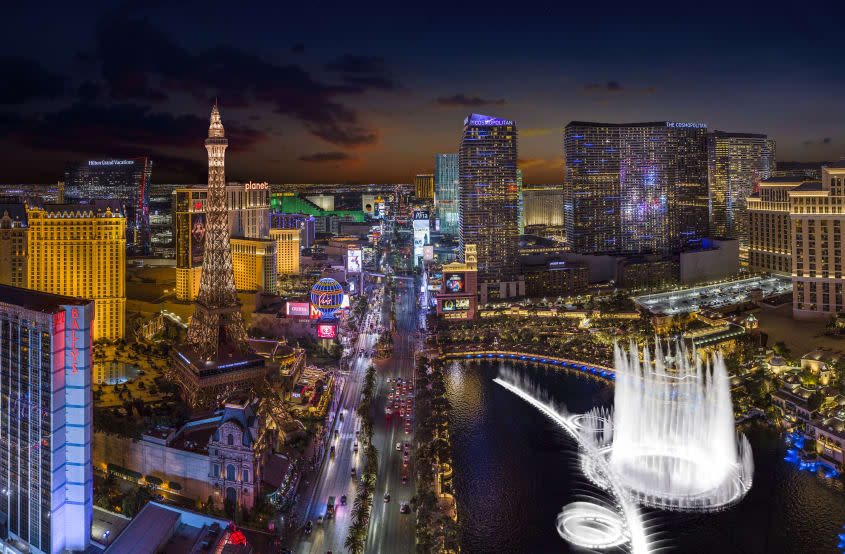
<point>827,140</point>
<point>123,129</point>
<point>236,77</point>
<point>811,142</point>
<point>473,101</point>
<point>322,157</point>
<point>610,86</point>
<point>364,72</point>
<point>523,163</point>
<point>26,80</point>
<point>535,132</point>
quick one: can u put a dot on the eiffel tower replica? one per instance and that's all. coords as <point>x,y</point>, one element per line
<point>216,359</point>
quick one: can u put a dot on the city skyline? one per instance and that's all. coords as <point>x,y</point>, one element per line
<point>306,109</point>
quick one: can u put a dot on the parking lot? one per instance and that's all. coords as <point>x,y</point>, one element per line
<point>713,296</point>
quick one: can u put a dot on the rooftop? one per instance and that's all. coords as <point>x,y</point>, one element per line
<point>808,186</point>
<point>38,301</point>
<point>840,164</point>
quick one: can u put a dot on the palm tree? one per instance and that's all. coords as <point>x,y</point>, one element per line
<point>354,542</point>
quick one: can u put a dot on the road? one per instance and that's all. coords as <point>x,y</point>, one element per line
<point>334,478</point>
<point>391,531</point>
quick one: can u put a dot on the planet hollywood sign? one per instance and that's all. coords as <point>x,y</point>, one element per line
<point>256,186</point>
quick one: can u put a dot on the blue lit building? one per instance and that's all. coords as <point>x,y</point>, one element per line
<point>635,188</point>
<point>446,192</point>
<point>46,477</point>
<point>489,197</point>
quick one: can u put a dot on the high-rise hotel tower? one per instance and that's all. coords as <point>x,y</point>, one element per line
<point>635,188</point>
<point>79,250</point>
<point>446,192</point>
<point>45,429</point>
<point>489,198</point>
<point>737,162</point>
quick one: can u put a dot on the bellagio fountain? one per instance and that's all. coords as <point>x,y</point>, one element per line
<point>669,443</point>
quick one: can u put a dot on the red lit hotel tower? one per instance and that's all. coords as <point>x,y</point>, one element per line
<point>216,357</point>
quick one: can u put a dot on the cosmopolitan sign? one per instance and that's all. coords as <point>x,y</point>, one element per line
<point>111,162</point>
<point>681,125</point>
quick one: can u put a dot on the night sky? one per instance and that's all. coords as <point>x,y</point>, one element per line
<point>362,92</point>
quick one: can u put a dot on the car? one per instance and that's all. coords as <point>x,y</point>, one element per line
<point>407,445</point>
<point>405,455</point>
<point>355,447</point>
<point>319,520</point>
<point>404,508</point>
<point>331,451</point>
<point>407,429</point>
<point>336,433</point>
<point>404,479</point>
<point>398,446</point>
<point>353,471</point>
<point>405,462</point>
<point>387,497</point>
<point>343,500</point>
<point>309,525</point>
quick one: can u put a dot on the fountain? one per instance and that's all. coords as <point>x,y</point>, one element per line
<point>674,442</point>
<point>669,443</point>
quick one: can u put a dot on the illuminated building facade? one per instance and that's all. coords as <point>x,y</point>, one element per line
<point>161,220</point>
<point>254,264</point>
<point>287,250</point>
<point>736,162</point>
<point>458,296</point>
<point>555,278</point>
<point>543,205</point>
<point>424,186</point>
<point>13,244</point>
<point>45,379</point>
<point>304,222</point>
<point>489,200</point>
<point>817,213</point>
<point>446,192</point>
<point>248,208</point>
<point>635,187</point>
<point>80,250</point>
<point>769,229</point>
<point>126,180</point>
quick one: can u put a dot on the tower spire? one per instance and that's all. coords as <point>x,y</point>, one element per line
<point>217,325</point>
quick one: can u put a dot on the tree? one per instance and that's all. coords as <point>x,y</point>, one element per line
<point>815,400</point>
<point>781,349</point>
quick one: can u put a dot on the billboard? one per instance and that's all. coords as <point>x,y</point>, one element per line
<point>454,282</point>
<point>428,253</point>
<point>326,331</point>
<point>456,305</point>
<point>368,256</point>
<point>420,215</point>
<point>315,313</point>
<point>298,309</point>
<point>345,303</point>
<point>197,238</point>
<point>353,261</point>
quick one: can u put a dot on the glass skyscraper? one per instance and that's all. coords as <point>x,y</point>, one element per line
<point>45,378</point>
<point>635,188</point>
<point>446,189</point>
<point>489,198</point>
<point>125,180</point>
<point>737,162</point>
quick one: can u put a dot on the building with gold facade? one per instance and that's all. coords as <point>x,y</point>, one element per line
<point>817,213</point>
<point>248,207</point>
<point>80,250</point>
<point>254,264</point>
<point>13,244</point>
<point>287,250</point>
<point>769,242</point>
<point>424,186</point>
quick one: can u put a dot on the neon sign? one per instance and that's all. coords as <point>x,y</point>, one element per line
<point>74,351</point>
<point>256,186</point>
<point>111,162</point>
<point>680,125</point>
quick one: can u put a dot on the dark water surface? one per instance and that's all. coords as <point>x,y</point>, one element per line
<point>515,470</point>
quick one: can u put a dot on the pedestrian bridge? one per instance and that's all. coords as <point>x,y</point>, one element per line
<point>595,370</point>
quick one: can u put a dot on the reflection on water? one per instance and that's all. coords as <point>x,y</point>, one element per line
<point>514,470</point>
<point>114,373</point>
